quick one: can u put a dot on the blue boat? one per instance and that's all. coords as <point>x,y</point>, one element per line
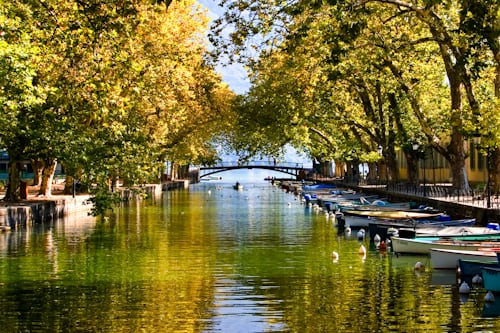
<point>491,278</point>
<point>317,187</point>
<point>469,267</point>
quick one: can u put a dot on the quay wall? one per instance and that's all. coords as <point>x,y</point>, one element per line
<point>26,213</point>
<point>181,184</point>
<point>33,211</point>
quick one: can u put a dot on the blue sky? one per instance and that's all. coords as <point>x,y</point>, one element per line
<point>234,75</point>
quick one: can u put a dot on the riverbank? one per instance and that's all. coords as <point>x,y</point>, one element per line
<point>36,209</point>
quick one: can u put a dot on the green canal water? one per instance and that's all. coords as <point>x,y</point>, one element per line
<point>220,260</point>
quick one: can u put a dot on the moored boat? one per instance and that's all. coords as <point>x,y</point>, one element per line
<point>448,258</point>
<point>209,177</point>
<point>423,245</point>
<point>454,231</point>
<point>413,229</point>
<point>491,278</point>
<point>470,267</point>
<point>361,218</point>
<point>379,205</point>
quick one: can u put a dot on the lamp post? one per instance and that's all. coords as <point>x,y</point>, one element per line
<point>477,142</point>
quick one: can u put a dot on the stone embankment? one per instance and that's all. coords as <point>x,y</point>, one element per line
<point>34,210</point>
<point>45,210</point>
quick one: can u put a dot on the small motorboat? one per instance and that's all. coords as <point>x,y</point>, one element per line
<point>238,186</point>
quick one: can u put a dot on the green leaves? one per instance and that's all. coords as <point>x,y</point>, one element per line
<point>382,72</point>
<point>108,88</point>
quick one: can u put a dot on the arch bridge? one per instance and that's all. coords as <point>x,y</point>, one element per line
<point>291,168</point>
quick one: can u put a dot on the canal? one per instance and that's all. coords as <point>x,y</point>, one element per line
<point>213,259</point>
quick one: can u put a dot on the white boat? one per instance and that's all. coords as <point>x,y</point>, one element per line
<point>238,186</point>
<point>448,258</point>
<point>413,229</point>
<point>454,231</point>
<point>361,218</point>
<point>378,204</point>
<point>424,245</point>
<point>207,178</point>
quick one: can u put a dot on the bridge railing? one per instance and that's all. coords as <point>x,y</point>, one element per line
<point>277,164</point>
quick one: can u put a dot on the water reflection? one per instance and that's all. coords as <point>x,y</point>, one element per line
<point>221,261</point>
<point>491,309</point>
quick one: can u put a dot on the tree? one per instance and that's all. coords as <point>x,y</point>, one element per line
<point>406,27</point>
<point>21,93</point>
<point>108,88</point>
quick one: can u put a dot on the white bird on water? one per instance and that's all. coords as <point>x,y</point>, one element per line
<point>419,266</point>
<point>347,230</point>
<point>335,256</point>
<point>362,251</point>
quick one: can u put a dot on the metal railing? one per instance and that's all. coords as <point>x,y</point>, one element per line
<point>444,191</point>
<point>242,164</point>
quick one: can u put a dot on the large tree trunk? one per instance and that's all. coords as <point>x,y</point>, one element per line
<point>392,165</point>
<point>47,177</point>
<point>456,150</point>
<point>69,185</point>
<point>37,166</point>
<point>372,172</point>
<point>173,171</point>
<point>13,191</point>
<point>412,165</point>
<point>456,158</point>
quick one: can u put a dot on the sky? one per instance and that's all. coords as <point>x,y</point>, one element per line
<point>234,75</point>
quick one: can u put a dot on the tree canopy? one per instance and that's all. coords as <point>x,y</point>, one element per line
<point>346,77</point>
<point>109,89</point>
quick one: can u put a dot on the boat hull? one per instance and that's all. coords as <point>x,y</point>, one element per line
<point>356,222</point>
<point>411,229</point>
<point>423,246</point>
<point>448,258</point>
<point>362,218</point>
<point>491,278</point>
<point>469,267</point>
